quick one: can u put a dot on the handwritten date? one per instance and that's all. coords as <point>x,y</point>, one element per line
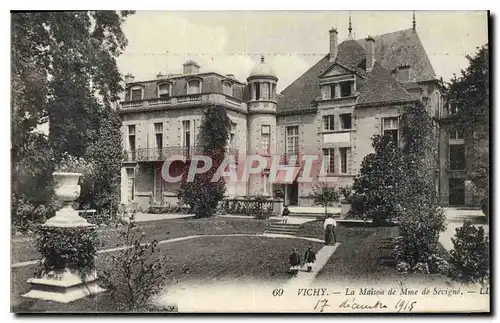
<point>401,305</point>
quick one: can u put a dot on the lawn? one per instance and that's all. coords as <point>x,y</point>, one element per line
<point>205,259</point>
<point>24,249</point>
<point>365,255</point>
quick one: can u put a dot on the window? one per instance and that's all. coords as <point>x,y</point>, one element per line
<point>232,136</point>
<point>390,128</point>
<point>265,137</point>
<point>164,90</point>
<point>328,122</point>
<point>326,92</point>
<point>346,121</point>
<point>131,139</point>
<point>292,140</point>
<point>403,74</point>
<point>265,91</point>
<point>136,94</point>
<point>194,87</point>
<point>329,160</point>
<point>257,91</point>
<point>186,134</point>
<point>456,135</point>
<point>345,89</point>
<point>130,184</point>
<point>159,135</point>
<point>343,159</point>
<point>457,157</point>
<point>227,88</point>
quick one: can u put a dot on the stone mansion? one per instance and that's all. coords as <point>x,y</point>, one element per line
<point>355,91</point>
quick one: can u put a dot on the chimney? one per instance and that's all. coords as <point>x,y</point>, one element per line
<point>160,75</point>
<point>333,44</point>
<point>370,53</point>
<point>129,78</point>
<point>190,67</point>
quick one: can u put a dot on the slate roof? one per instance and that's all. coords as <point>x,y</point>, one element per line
<point>211,83</point>
<point>402,48</point>
<point>380,87</point>
<point>392,50</point>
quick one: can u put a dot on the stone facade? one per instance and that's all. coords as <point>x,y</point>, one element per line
<point>334,108</point>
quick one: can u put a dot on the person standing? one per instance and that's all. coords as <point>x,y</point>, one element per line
<point>294,260</point>
<point>329,227</point>
<point>285,214</point>
<point>309,258</point>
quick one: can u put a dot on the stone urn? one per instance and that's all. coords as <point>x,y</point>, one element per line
<point>67,191</point>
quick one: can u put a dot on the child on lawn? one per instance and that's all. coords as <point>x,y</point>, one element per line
<point>309,258</point>
<point>294,260</point>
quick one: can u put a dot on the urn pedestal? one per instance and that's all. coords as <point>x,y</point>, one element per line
<point>65,285</point>
<point>344,209</point>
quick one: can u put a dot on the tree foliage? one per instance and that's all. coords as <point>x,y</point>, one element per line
<point>203,194</point>
<point>469,256</point>
<point>64,72</point>
<point>421,219</point>
<point>325,195</point>
<point>377,187</point>
<point>469,94</point>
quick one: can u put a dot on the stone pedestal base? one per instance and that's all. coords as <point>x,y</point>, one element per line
<point>63,287</point>
<point>67,218</point>
<point>344,209</point>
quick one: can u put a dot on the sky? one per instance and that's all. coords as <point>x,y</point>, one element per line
<point>231,42</point>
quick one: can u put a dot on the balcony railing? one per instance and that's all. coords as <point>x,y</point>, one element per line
<point>200,98</point>
<point>161,154</point>
<point>288,159</point>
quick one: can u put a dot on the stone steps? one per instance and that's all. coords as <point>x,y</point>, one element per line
<point>280,228</point>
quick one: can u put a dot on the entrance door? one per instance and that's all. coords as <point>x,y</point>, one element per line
<point>457,191</point>
<point>294,194</point>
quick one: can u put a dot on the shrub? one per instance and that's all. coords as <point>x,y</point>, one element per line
<point>420,225</point>
<point>29,215</point>
<point>72,248</point>
<point>469,256</point>
<point>439,265</point>
<point>135,274</point>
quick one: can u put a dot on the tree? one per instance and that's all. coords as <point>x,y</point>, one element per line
<point>102,189</point>
<point>63,71</point>
<point>377,187</point>
<point>324,195</point>
<point>469,95</point>
<point>202,194</point>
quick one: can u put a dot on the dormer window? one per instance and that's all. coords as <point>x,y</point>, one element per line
<point>194,86</point>
<point>227,88</point>
<point>136,93</point>
<point>338,90</point>
<point>346,89</point>
<point>165,90</point>
<point>402,73</point>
